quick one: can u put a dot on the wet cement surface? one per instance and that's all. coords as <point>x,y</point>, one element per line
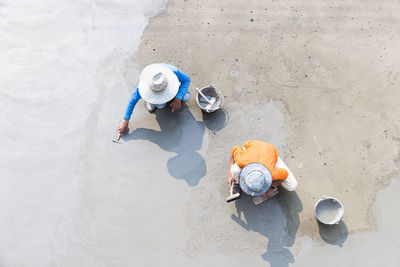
<point>169,203</point>
<point>375,248</point>
<point>319,80</point>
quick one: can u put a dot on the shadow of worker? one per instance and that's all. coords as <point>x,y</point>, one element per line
<point>182,134</point>
<point>277,219</point>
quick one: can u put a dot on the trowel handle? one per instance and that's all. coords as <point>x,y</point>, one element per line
<point>209,102</point>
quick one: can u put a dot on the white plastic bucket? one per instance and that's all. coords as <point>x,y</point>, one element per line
<point>329,210</point>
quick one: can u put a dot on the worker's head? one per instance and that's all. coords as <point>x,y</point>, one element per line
<point>158,84</point>
<point>255,179</point>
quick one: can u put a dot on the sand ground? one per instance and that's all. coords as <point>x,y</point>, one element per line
<point>331,69</point>
<point>319,79</point>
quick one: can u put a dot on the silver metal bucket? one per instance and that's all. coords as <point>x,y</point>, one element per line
<point>210,91</point>
<point>329,210</point>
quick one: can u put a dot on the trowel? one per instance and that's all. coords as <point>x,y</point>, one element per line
<point>117,139</point>
<point>209,101</point>
<point>232,196</point>
<point>261,199</point>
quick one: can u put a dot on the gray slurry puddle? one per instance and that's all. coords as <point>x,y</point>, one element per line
<point>373,248</point>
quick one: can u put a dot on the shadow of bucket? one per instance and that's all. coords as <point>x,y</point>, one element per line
<point>210,91</point>
<point>329,210</point>
<point>216,121</point>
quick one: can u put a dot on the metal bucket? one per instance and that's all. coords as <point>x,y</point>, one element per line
<point>329,210</point>
<point>210,91</point>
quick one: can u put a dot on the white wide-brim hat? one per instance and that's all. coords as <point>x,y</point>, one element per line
<point>158,84</point>
<point>255,179</point>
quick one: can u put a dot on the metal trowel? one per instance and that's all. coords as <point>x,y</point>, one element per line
<point>261,199</point>
<point>117,139</point>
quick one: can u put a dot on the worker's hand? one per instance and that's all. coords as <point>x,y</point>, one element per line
<point>122,126</point>
<point>270,192</point>
<point>176,104</point>
<point>231,181</point>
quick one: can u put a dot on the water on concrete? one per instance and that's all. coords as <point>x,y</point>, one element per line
<point>62,66</point>
<point>376,248</point>
<point>317,79</point>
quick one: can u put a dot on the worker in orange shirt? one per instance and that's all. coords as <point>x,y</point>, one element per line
<point>253,169</point>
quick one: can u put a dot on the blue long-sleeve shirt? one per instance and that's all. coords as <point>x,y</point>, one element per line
<point>183,88</point>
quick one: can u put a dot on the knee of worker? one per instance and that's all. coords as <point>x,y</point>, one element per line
<point>160,106</point>
<point>235,171</point>
<point>290,183</point>
<point>186,97</point>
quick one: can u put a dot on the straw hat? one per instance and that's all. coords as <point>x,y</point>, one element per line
<point>255,179</point>
<point>158,84</point>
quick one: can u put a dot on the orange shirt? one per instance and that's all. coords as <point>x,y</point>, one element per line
<point>261,152</point>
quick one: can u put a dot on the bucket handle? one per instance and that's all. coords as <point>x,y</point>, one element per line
<point>221,96</point>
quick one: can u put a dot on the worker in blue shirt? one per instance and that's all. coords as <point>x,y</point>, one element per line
<point>159,84</point>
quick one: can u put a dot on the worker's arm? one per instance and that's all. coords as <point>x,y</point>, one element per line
<point>231,181</point>
<point>129,109</point>
<point>273,188</point>
<point>183,89</point>
<point>276,183</point>
<point>184,79</point>
<point>279,175</point>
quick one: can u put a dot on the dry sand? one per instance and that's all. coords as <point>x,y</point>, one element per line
<point>317,79</point>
